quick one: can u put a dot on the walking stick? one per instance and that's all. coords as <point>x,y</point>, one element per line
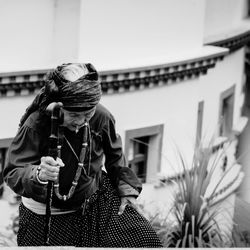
<point>54,109</point>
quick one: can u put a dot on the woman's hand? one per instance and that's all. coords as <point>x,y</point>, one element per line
<point>49,168</point>
<point>128,200</point>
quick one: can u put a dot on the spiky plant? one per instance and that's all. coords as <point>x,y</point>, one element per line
<point>196,220</point>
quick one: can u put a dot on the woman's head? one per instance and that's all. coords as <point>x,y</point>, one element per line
<point>78,94</point>
<point>75,85</point>
<point>73,71</point>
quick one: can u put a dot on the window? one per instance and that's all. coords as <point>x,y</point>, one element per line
<point>4,144</point>
<point>199,123</point>
<point>138,162</point>
<point>226,112</point>
<point>2,161</point>
<point>143,151</point>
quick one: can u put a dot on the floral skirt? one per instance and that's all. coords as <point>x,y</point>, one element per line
<point>99,226</point>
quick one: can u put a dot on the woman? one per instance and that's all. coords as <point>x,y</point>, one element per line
<point>90,207</point>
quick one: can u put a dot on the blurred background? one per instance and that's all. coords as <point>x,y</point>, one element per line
<point>175,74</point>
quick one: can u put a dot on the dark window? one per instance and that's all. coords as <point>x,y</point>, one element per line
<point>199,123</point>
<point>143,148</point>
<point>227,116</point>
<point>4,144</point>
<point>2,161</point>
<point>140,154</point>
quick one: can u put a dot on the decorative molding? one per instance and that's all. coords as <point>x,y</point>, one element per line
<point>146,77</point>
<point>114,81</point>
<point>234,42</point>
<point>21,83</point>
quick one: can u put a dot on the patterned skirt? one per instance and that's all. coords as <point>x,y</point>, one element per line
<point>100,226</point>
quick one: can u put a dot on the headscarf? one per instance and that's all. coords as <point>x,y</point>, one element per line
<point>76,85</point>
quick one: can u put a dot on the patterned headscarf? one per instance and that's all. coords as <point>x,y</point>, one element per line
<point>76,85</point>
<point>81,94</point>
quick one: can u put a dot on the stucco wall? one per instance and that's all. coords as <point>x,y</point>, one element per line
<point>38,34</point>
<point>44,33</point>
<point>176,107</point>
<point>227,73</point>
<point>223,15</point>
<point>11,110</point>
<point>26,32</point>
<point>122,32</point>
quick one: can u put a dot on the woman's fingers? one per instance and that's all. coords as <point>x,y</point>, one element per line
<point>50,168</point>
<point>122,206</point>
<point>59,162</point>
<point>131,201</point>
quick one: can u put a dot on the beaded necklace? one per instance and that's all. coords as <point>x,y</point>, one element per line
<point>81,158</point>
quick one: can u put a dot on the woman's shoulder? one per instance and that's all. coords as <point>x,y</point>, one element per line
<point>103,113</point>
<point>37,122</point>
<point>101,110</point>
<point>101,117</point>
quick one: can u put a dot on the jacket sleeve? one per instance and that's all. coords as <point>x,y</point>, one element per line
<point>121,176</point>
<point>22,161</point>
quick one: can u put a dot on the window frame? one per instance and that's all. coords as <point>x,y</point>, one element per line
<point>200,114</point>
<point>155,134</point>
<point>226,94</point>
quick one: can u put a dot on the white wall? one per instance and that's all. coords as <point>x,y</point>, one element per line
<point>66,31</point>
<point>26,32</point>
<point>11,110</point>
<point>223,15</point>
<point>176,107</point>
<point>122,31</point>
<point>125,30</point>
<point>38,33</point>
<point>226,73</point>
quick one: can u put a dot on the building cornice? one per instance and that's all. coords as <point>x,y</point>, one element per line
<point>233,43</point>
<point>232,39</point>
<point>157,75</point>
<point>114,81</point>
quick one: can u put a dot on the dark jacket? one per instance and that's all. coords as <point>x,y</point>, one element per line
<point>31,143</point>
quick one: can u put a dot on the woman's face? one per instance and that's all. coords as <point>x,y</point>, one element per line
<point>75,120</point>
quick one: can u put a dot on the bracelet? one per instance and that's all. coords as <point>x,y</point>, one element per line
<point>37,177</point>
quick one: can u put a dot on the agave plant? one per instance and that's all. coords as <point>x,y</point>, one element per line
<point>196,224</point>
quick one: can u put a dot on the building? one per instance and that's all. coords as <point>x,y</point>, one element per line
<point>173,71</point>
